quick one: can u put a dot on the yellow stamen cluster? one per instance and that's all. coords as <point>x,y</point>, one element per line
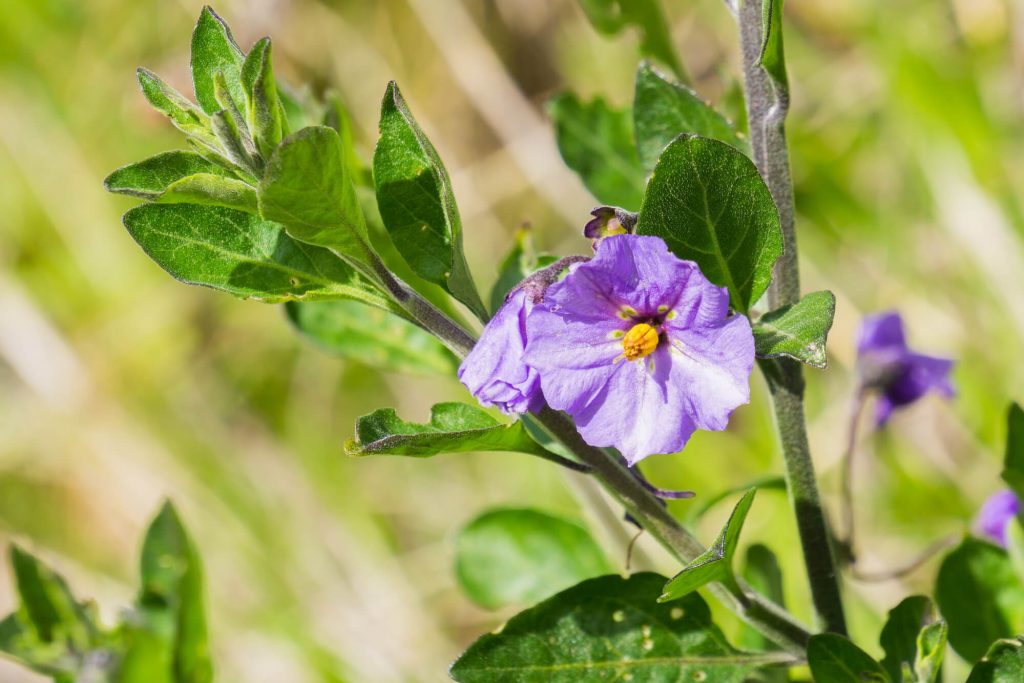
<point>640,341</point>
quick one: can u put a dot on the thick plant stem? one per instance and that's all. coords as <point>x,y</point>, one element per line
<point>767,105</point>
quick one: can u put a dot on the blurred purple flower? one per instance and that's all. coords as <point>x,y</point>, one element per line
<point>494,371</point>
<point>608,221</point>
<point>638,346</point>
<point>898,374</point>
<point>996,514</point>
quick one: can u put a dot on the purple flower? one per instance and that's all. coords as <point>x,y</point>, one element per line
<point>996,514</point>
<point>494,371</point>
<point>897,373</point>
<point>639,348</point>
<point>607,221</point>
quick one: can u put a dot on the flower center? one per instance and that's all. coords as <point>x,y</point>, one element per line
<point>640,341</point>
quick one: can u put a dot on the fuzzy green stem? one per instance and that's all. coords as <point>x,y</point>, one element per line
<point>767,105</point>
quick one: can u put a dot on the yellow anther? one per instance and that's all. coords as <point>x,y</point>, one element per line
<point>640,341</point>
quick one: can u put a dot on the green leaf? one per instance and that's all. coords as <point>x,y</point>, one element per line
<point>168,635</point>
<point>914,640</point>
<point>453,428</point>
<point>307,188</point>
<point>417,205</point>
<point>1003,663</point>
<point>834,659</point>
<point>232,131</point>
<point>372,337</point>
<point>519,263</point>
<point>244,255</point>
<point>773,57</point>
<point>612,16</point>
<point>596,141</point>
<point>1015,545</point>
<point>609,628</point>
<point>798,331</point>
<point>980,596</point>
<point>185,116</point>
<point>1013,461</point>
<point>716,563</point>
<point>150,178</point>
<point>710,205</point>
<point>763,574</point>
<point>263,107</point>
<point>214,50</point>
<point>662,109</point>
<point>509,556</point>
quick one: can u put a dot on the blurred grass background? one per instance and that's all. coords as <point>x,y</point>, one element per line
<point>119,387</point>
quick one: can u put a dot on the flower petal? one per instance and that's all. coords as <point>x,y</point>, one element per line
<point>881,331</point>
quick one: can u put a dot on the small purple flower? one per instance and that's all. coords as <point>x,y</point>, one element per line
<point>494,371</point>
<point>897,373</point>
<point>996,514</point>
<point>608,221</point>
<point>638,346</point>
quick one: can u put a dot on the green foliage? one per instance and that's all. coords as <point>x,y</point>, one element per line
<point>417,205</point>
<point>596,141</point>
<point>1003,663</point>
<point>608,628</point>
<point>798,331</point>
<point>307,188</point>
<point>453,428</point>
<point>663,109</point>
<point>510,556</point>
<point>214,51</point>
<point>773,56</point>
<point>264,113</point>
<point>980,596</point>
<point>834,659</point>
<point>185,116</point>
<point>914,640</point>
<point>1013,461</point>
<point>521,261</point>
<point>150,178</point>
<point>372,337</point>
<point>710,205</point>
<point>243,255</point>
<point>612,16</point>
<point>716,563</point>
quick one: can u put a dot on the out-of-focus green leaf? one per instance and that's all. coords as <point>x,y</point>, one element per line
<point>596,141</point>
<point>185,115</point>
<point>914,640</point>
<point>417,205</point>
<point>663,109</point>
<point>980,596</point>
<point>834,659</point>
<point>1003,663</point>
<point>453,428</point>
<point>336,116</point>
<point>263,108</point>
<point>716,563</point>
<point>373,337</point>
<point>214,51</point>
<point>769,483</point>
<point>798,331</point>
<point>609,628</point>
<point>612,16</point>
<point>510,556</point>
<point>244,255</point>
<point>710,205</point>
<point>1013,461</point>
<point>773,56</point>
<point>307,188</point>
<point>520,262</point>
<point>763,574</point>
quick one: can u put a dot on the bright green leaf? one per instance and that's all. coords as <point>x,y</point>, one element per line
<point>453,428</point>
<point>716,563</point>
<point>663,109</point>
<point>1003,663</point>
<point>214,50</point>
<point>244,255</point>
<point>773,57</point>
<point>798,331</point>
<point>150,178</point>
<point>232,132</point>
<point>520,262</point>
<point>612,16</point>
<point>980,596</point>
<point>710,205</point>
<point>370,336</point>
<point>307,188</point>
<point>417,205</point>
<point>834,659</point>
<point>510,556</point>
<point>1013,461</point>
<point>263,107</point>
<point>185,116</point>
<point>596,141</point>
<point>211,189</point>
<point>914,640</point>
<point>609,628</point>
